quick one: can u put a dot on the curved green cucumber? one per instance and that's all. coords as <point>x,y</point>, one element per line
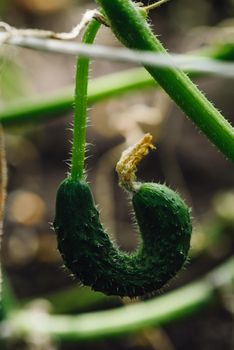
<point>165,231</point>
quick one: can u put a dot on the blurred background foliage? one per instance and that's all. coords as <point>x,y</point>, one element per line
<point>185,160</point>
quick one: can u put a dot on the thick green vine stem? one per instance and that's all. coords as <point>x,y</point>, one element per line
<point>134,32</point>
<point>79,130</point>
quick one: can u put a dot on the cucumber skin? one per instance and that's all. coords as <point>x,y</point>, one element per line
<point>165,229</point>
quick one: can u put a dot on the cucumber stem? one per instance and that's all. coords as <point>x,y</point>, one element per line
<point>81,101</point>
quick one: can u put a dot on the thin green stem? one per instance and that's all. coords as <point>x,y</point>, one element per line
<point>37,110</point>
<point>155,5</point>
<point>134,32</point>
<point>105,324</point>
<point>80,117</point>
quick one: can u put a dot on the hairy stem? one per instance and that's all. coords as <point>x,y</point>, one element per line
<point>134,32</point>
<point>80,117</point>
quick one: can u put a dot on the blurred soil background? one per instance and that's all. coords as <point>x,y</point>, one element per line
<point>184,159</point>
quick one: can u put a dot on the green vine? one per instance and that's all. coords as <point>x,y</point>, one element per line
<point>135,33</point>
<point>79,128</point>
<point>162,310</point>
<point>36,110</point>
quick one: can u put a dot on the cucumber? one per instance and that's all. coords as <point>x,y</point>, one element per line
<point>164,230</point>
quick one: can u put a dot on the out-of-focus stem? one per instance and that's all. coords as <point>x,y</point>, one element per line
<point>40,109</point>
<point>99,325</point>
